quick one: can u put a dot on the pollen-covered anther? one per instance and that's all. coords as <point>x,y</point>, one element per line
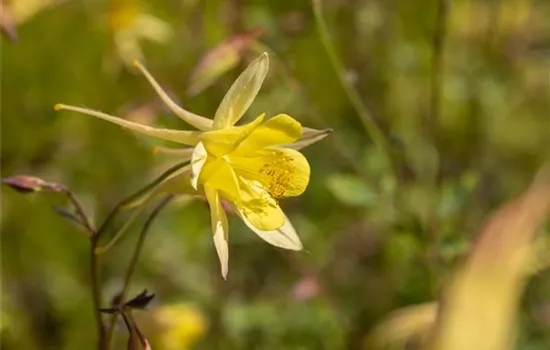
<point>278,174</point>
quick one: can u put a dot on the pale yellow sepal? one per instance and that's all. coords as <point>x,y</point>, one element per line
<point>241,94</point>
<point>179,136</point>
<point>309,137</point>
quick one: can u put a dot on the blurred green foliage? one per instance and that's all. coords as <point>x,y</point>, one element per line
<point>379,234</point>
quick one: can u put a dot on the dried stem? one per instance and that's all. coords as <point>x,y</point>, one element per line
<point>133,262</point>
<point>96,292</point>
<point>79,209</point>
<point>104,338</point>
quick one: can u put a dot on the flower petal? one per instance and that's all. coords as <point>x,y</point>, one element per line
<point>180,136</point>
<point>282,172</point>
<point>195,120</point>
<point>223,141</point>
<point>220,228</point>
<point>284,237</point>
<point>279,130</point>
<point>219,174</point>
<point>197,162</point>
<point>260,209</point>
<point>241,94</point>
<point>309,137</point>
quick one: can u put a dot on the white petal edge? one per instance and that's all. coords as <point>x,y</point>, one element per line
<point>198,158</point>
<point>284,237</point>
<point>220,228</point>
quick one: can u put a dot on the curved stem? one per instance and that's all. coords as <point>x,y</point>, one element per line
<point>365,117</point>
<point>133,262</point>
<point>127,201</point>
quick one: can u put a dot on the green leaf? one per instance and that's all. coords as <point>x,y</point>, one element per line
<point>350,190</point>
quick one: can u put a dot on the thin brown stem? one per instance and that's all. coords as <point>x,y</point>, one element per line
<point>79,209</point>
<point>96,292</point>
<point>133,263</point>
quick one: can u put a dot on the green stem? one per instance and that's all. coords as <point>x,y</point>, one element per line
<point>128,200</point>
<point>133,263</point>
<point>365,117</point>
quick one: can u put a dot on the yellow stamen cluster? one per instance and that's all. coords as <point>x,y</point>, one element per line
<point>279,173</point>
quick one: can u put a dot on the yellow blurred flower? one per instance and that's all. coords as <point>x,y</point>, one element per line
<point>249,166</point>
<point>23,10</point>
<point>180,326</point>
<point>129,25</point>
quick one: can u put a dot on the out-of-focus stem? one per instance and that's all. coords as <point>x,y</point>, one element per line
<point>132,265</point>
<point>438,63</point>
<point>137,195</point>
<point>365,117</point>
<point>96,292</point>
<point>433,121</point>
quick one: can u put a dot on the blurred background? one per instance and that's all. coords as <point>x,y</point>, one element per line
<point>460,91</point>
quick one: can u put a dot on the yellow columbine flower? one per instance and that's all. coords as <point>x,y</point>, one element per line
<point>250,166</point>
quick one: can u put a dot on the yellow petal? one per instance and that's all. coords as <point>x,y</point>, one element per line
<point>195,120</point>
<point>284,237</point>
<point>218,174</point>
<point>223,141</point>
<point>309,137</point>
<point>180,136</point>
<point>220,228</point>
<point>279,130</point>
<point>282,172</point>
<point>241,94</point>
<point>197,162</point>
<point>258,207</point>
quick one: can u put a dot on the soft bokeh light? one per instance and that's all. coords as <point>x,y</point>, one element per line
<point>459,97</point>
